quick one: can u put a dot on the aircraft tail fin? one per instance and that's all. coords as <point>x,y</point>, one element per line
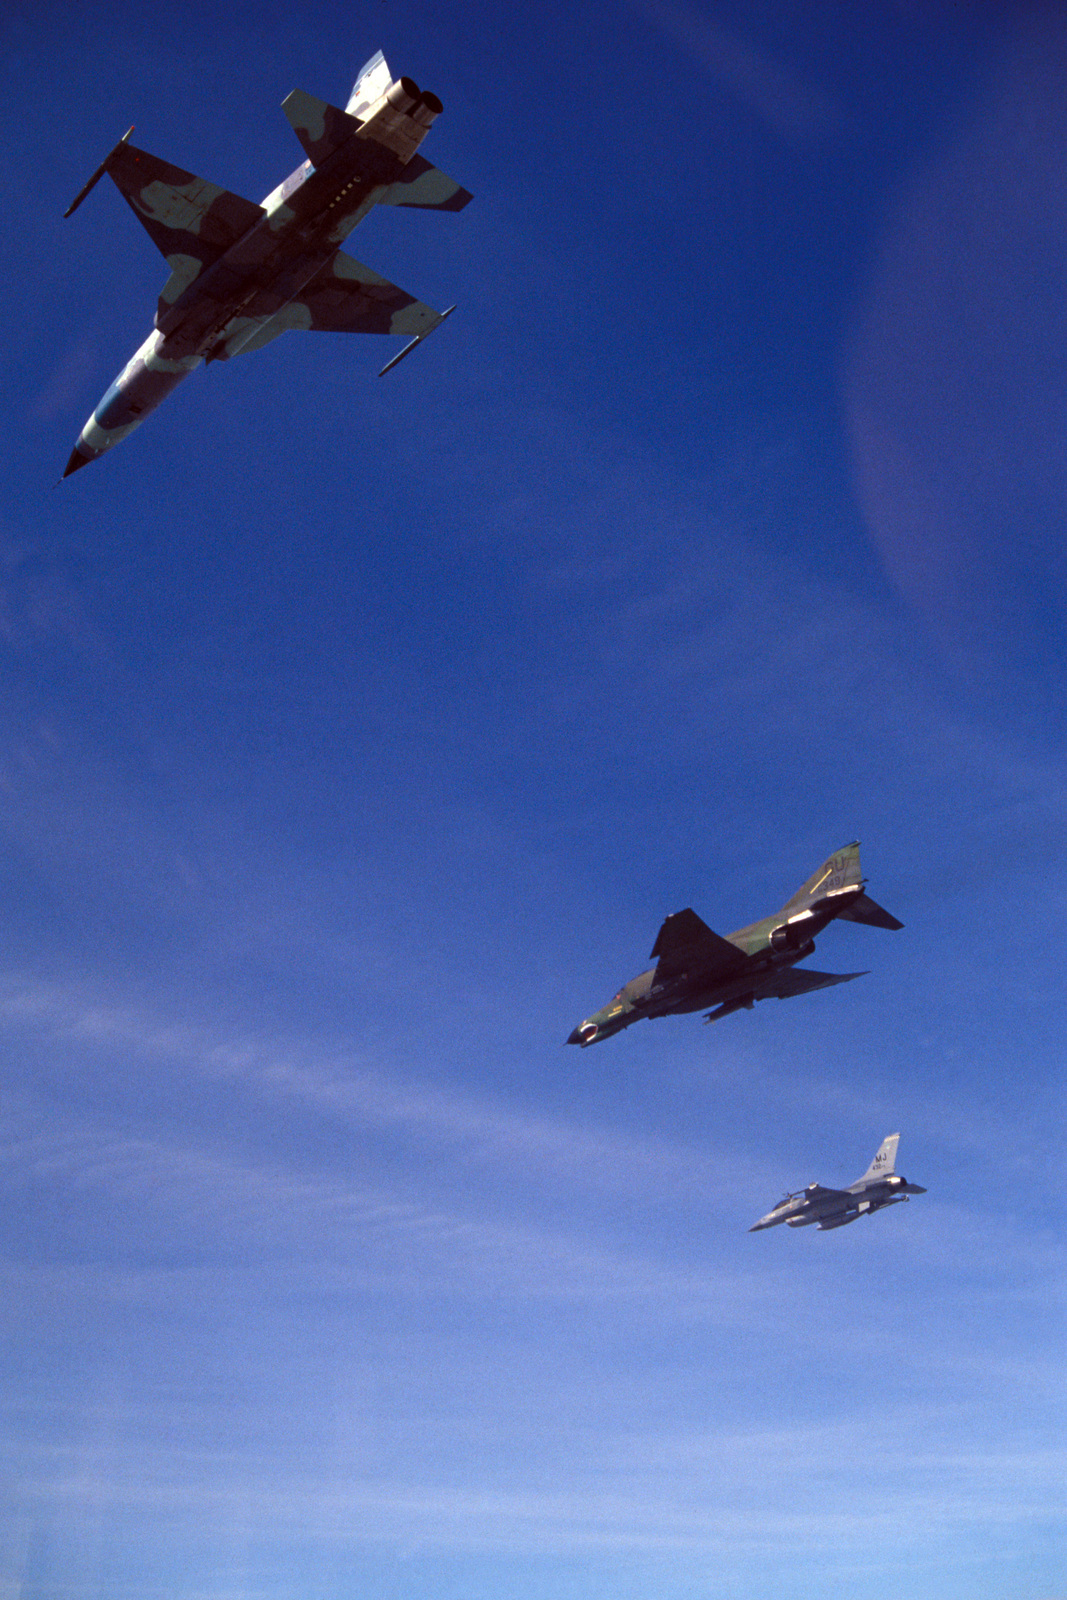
<point>885,1160</point>
<point>374,78</point>
<point>838,874</point>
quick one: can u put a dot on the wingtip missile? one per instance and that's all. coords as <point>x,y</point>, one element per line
<point>419,337</point>
<point>95,179</point>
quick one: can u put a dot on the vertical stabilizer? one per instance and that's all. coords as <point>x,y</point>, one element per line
<point>839,873</point>
<point>885,1161</point>
<point>373,80</point>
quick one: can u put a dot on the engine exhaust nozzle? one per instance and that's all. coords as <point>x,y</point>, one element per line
<point>403,95</point>
<point>428,108</point>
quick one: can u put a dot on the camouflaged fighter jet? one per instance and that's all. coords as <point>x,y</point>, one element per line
<point>698,968</point>
<point>831,1208</point>
<point>241,274</point>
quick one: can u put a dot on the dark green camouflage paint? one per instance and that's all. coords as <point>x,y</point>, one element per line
<point>698,969</point>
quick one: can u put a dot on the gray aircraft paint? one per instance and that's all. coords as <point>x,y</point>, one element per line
<point>823,1208</point>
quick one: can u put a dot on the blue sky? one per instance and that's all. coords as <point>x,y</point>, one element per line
<point>356,736</point>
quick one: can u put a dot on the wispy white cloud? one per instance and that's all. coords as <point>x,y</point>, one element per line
<point>369,1448</point>
<point>710,1494</point>
<point>780,96</point>
<point>353,1091</point>
<point>349,1086</point>
<point>183,1196</point>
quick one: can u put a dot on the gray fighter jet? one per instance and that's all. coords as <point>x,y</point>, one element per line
<point>832,1208</point>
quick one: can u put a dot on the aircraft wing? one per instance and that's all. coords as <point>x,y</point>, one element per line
<point>816,1191</point>
<point>686,944</point>
<point>181,213</point>
<point>345,297</point>
<point>789,981</point>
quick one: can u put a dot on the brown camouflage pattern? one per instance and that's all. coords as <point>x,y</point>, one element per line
<point>242,274</point>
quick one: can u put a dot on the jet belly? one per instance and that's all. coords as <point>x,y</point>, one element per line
<point>234,288</point>
<point>275,259</point>
<point>305,221</point>
<point>735,991</point>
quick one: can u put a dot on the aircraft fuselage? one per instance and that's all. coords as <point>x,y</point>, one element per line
<point>308,218</point>
<point>682,993</point>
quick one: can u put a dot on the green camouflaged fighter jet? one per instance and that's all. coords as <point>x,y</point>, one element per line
<point>698,968</point>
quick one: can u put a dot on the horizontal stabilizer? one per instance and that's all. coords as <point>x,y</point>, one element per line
<point>864,909</point>
<point>686,944</point>
<point>320,127</point>
<point>791,981</point>
<point>426,186</point>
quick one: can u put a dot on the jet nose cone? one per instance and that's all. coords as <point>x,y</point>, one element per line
<point>77,460</point>
<point>584,1033</point>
